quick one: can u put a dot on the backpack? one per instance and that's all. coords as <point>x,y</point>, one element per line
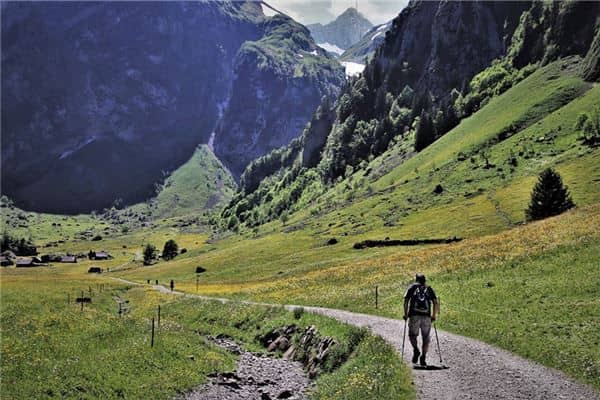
<point>420,299</point>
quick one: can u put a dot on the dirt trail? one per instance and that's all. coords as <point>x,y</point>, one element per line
<point>476,370</point>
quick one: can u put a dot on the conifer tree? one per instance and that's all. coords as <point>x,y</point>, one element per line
<point>424,135</point>
<point>170,250</point>
<point>549,197</point>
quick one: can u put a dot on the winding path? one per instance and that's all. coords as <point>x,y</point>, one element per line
<point>476,370</point>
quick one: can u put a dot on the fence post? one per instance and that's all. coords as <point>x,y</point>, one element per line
<point>82,300</point>
<point>152,339</point>
<point>376,296</point>
<point>196,283</point>
<point>159,316</point>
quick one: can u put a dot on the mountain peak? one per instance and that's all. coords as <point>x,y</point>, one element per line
<point>346,30</point>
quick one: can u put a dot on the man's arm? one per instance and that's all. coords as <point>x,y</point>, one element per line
<point>436,309</point>
<point>405,308</point>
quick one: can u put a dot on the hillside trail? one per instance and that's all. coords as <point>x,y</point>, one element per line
<point>476,370</point>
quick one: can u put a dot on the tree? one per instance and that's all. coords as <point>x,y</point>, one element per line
<point>424,135</point>
<point>150,253</point>
<point>549,197</point>
<point>170,250</point>
<point>284,217</point>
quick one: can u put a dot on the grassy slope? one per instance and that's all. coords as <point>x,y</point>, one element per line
<point>200,184</point>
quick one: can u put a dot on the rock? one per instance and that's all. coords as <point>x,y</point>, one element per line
<point>331,242</point>
<point>286,394</point>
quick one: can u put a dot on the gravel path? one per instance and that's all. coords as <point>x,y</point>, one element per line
<point>476,370</point>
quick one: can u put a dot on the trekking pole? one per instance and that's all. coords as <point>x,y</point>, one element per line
<point>403,339</point>
<point>438,343</point>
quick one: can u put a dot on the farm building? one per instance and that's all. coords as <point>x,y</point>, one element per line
<point>101,255</point>
<point>68,259</point>
<point>29,262</point>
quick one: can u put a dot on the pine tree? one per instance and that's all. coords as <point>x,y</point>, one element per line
<point>149,254</point>
<point>549,197</point>
<point>424,135</point>
<point>170,250</point>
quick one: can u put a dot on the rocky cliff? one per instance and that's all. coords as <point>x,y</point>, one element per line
<point>102,100</point>
<point>275,91</point>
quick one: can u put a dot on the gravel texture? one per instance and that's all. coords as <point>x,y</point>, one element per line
<point>257,377</point>
<point>475,370</point>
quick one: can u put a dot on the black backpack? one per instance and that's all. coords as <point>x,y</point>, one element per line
<point>420,299</point>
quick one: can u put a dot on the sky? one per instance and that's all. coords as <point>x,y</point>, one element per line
<point>323,11</point>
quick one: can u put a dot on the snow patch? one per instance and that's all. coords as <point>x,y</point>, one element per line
<point>314,53</point>
<point>353,68</point>
<point>332,48</point>
<point>377,35</point>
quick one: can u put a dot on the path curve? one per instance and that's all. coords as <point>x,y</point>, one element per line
<point>476,370</point>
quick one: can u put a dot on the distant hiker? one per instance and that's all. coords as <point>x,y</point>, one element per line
<point>172,285</point>
<point>417,308</point>
<point>156,281</point>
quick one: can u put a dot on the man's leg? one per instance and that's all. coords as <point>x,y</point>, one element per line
<point>413,333</point>
<point>425,325</point>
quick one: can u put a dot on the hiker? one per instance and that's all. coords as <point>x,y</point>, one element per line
<point>417,308</point>
<point>172,285</point>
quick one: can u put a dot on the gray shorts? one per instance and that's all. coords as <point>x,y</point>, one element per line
<point>419,322</point>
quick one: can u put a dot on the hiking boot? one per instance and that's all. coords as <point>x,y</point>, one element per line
<point>422,361</point>
<point>416,354</point>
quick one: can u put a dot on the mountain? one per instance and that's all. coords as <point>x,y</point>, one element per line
<point>439,63</point>
<point>342,32</point>
<point>279,81</point>
<point>103,100</point>
<point>366,46</point>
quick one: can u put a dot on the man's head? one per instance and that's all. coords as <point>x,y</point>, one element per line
<point>420,278</point>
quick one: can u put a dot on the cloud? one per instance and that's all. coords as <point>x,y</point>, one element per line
<point>324,11</point>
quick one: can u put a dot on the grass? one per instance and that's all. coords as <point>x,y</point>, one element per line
<point>52,348</point>
<point>542,306</point>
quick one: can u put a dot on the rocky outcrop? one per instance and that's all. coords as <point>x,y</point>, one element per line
<point>346,30</point>
<point>591,63</point>
<point>308,346</point>
<point>270,105</point>
<point>434,47</point>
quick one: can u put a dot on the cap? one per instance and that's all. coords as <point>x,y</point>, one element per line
<point>420,278</point>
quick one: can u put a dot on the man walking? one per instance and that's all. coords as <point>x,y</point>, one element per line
<point>418,309</point>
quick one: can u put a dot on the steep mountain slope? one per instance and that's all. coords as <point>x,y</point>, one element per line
<point>279,81</point>
<point>100,99</point>
<point>343,32</point>
<point>366,46</point>
<point>407,96</point>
